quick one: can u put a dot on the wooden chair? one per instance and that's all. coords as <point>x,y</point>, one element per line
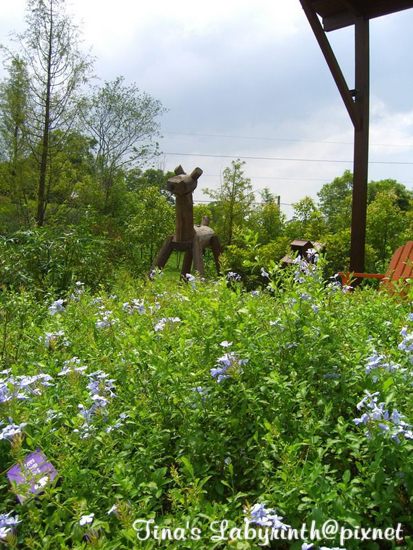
<point>400,268</point>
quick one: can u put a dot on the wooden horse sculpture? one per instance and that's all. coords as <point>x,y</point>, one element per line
<point>188,238</point>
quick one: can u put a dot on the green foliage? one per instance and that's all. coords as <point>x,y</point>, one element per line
<point>153,219</point>
<point>172,443</point>
<point>335,202</point>
<point>385,225</point>
<point>48,260</point>
<point>122,120</point>
<point>232,202</point>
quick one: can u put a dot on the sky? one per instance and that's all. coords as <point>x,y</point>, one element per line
<point>246,79</point>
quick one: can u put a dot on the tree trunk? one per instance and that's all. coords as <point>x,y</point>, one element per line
<point>41,193</point>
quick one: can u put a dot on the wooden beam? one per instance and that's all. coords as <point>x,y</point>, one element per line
<point>361,145</point>
<point>331,61</point>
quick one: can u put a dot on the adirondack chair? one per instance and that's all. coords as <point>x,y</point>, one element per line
<point>400,268</point>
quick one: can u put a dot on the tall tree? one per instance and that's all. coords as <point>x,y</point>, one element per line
<point>123,122</point>
<point>233,201</point>
<point>335,202</point>
<point>56,69</point>
<point>14,94</point>
<point>386,224</point>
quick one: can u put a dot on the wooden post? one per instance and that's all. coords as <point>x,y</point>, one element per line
<point>361,145</point>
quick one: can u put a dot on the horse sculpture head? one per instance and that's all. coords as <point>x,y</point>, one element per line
<point>182,183</point>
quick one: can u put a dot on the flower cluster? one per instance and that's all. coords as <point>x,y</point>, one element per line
<point>134,306</point>
<point>304,269</point>
<point>233,277</point>
<point>72,365</point>
<point>407,342</point>
<point>22,387</point>
<point>7,522</point>
<point>376,416</point>
<point>161,324</point>
<point>265,517</point>
<point>227,365</point>
<point>52,339</point>
<point>78,291</point>
<point>105,319</point>
<point>101,391</point>
<point>57,307</point>
<point>118,424</point>
<point>87,519</point>
<point>377,361</point>
<point>10,430</point>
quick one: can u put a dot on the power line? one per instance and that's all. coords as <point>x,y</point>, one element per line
<point>294,140</point>
<point>288,159</point>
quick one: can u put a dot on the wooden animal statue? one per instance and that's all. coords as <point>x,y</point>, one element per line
<point>189,238</point>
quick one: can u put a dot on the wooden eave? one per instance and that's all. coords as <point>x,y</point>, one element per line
<point>337,14</point>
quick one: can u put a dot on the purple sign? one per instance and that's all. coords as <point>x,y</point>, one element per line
<point>33,475</point>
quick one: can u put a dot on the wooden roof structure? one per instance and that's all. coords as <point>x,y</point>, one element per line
<point>336,14</point>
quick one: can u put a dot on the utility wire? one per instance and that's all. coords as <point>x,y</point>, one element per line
<point>285,159</point>
<point>193,134</point>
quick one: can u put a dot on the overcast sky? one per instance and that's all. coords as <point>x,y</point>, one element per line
<point>244,78</point>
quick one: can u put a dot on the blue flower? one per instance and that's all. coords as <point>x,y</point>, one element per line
<point>56,307</point>
<point>232,276</point>
<point>260,515</point>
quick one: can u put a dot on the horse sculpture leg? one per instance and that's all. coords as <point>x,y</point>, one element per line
<point>164,253</point>
<point>197,255</point>
<point>186,264</point>
<point>216,251</point>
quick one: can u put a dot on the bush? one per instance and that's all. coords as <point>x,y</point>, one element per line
<point>48,259</point>
<point>190,403</point>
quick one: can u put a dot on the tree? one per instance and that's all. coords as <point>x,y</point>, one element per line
<point>232,201</point>
<point>56,71</point>
<point>14,94</point>
<point>385,226</point>
<point>403,195</point>
<point>153,220</point>
<point>266,218</point>
<point>335,202</point>
<point>123,122</point>
<point>307,221</point>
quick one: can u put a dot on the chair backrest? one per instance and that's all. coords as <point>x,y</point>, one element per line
<point>401,264</point>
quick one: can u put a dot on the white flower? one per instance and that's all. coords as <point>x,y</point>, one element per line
<point>225,344</point>
<point>56,307</point>
<point>113,509</point>
<point>4,532</point>
<point>87,519</point>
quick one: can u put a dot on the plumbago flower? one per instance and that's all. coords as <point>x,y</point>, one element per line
<point>161,324</point>
<point>87,519</point>
<point>105,320</point>
<point>385,422</point>
<point>377,361</point>
<point>118,424</point>
<point>101,391</point>
<point>23,387</point>
<point>78,291</point>
<point>134,306</point>
<point>57,307</point>
<point>7,523</point>
<point>227,365</point>
<point>233,277</point>
<point>407,342</point>
<point>265,517</point>
<point>10,430</point>
<point>72,365</point>
<point>53,339</point>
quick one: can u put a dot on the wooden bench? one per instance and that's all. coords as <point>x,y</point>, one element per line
<point>400,268</point>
